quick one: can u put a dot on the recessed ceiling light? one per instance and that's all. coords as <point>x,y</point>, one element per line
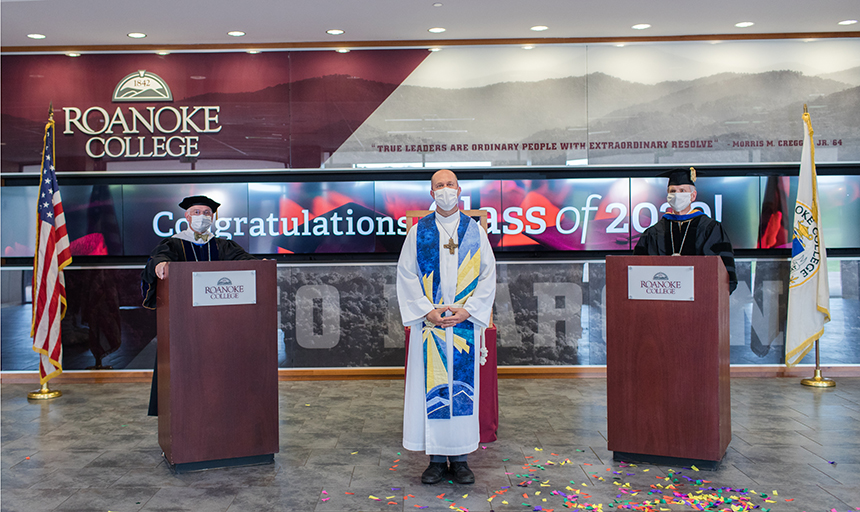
<point>162,53</point>
<point>136,35</point>
<point>539,28</point>
<point>342,50</point>
<point>253,52</point>
<point>437,4</point>
<point>197,77</point>
<point>744,24</point>
<point>436,30</point>
<point>619,45</point>
<point>843,22</point>
<point>42,36</point>
<point>334,32</point>
<point>435,49</point>
<point>235,33</point>
<point>73,54</point>
<point>641,26</point>
<point>528,47</point>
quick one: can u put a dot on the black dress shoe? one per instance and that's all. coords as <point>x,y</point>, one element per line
<point>435,472</point>
<point>462,473</point>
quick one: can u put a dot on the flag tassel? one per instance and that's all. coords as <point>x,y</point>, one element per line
<point>44,393</point>
<point>818,381</point>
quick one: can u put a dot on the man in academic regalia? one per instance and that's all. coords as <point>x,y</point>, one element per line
<point>196,243</point>
<point>687,230</point>
<point>446,284</point>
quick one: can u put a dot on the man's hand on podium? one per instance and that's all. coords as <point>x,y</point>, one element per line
<point>161,270</point>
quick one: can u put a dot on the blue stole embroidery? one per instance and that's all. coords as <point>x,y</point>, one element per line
<point>681,218</point>
<point>441,405</point>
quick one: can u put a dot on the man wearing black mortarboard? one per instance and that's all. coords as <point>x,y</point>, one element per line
<point>196,243</point>
<point>686,230</point>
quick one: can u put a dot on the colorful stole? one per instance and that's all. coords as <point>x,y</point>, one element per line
<point>680,218</point>
<point>439,405</point>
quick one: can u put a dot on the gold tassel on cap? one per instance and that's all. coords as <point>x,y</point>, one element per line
<point>693,174</point>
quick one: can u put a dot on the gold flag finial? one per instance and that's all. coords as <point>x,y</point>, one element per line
<point>805,110</point>
<point>51,111</point>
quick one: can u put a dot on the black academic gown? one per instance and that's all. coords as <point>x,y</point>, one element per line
<point>176,249</point>
<point>706,237</point>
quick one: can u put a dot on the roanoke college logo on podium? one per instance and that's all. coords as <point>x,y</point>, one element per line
<point>142,86</point>
<point>665,282</point>
<point>224,288</point>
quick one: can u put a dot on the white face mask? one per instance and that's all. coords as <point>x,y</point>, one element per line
<point>446,198</point>
<point>201,223</point>
<point>679,201</point>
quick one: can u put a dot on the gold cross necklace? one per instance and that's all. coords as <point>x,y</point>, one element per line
<point>450,245</point>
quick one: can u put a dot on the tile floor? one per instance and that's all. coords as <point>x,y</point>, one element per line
<point>793,449</point>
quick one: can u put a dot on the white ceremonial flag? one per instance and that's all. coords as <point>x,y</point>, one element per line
<point>808,289</point>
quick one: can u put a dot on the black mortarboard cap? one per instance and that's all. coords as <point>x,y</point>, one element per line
<point>681,176</point>
<point>190,201</point>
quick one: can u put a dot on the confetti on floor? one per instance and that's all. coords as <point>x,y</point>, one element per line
<point>675,491</point>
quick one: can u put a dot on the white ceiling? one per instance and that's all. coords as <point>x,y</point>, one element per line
<point>77,23</point>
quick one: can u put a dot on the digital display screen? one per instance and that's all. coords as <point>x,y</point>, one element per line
<point>577,214</point>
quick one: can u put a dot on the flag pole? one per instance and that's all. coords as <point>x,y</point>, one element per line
<point>818,381</point>
<point>44,393</point>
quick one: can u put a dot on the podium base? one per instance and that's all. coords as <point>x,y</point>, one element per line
<point>660,460</point>
<point>256,460</point>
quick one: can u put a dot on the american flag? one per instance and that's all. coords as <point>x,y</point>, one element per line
<point>52,255</point>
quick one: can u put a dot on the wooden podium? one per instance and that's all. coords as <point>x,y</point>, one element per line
<point>218,364</point>
<point>668,394</point>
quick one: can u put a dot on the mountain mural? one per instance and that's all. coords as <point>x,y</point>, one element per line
<point>726,109</point>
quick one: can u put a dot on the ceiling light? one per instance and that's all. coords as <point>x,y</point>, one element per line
<point>253,52</point>
<point>342,50</point>
<point>136,35</point>
<point>528,47</point>
<point>197,77</point>
<point>334,32</point>
<point>436,30</point>
<point>42,36</point>
<point>235,33</point>
<point>73,54</point>
<point>162,53</point>
<point>435,49</point>
<point>539,28</point>
<point>744,24</point>
<point>437,4</point>
<point>843,22</point>
<point>619,45</point>
<point>641,26</point>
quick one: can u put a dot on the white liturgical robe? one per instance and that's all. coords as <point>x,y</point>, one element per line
<point>456,435</point>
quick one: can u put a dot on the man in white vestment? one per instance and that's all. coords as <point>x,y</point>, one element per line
<point>446,284</point>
